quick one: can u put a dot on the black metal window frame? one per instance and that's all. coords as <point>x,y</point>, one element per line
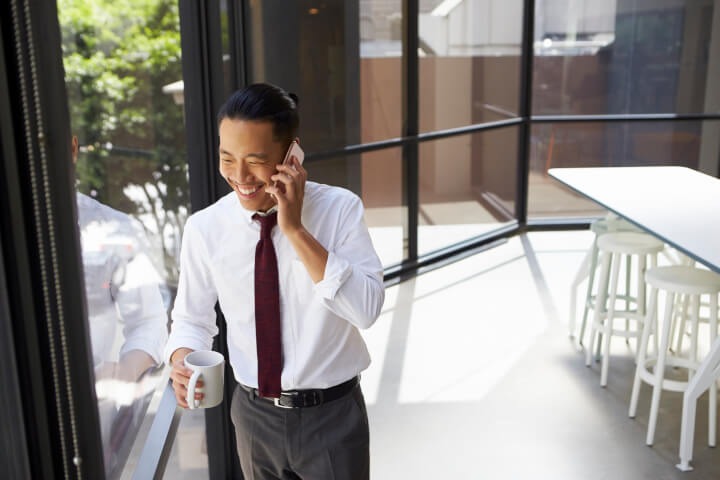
<point>23,135</point>
<point>414,264</point>
<point>46,314</point>
<point>205,188</point>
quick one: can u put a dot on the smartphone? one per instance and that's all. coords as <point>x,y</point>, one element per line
<point>293,151</point>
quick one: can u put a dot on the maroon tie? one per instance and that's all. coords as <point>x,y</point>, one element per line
<point>267,310</point>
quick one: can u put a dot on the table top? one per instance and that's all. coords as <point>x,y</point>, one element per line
<point>678,205</point>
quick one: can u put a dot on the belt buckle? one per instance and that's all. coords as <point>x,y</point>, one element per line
<point>277,403</point>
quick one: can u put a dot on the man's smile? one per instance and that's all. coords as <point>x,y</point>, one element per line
<point>246,191</point>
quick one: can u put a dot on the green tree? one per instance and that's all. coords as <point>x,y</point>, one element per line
<point>118,55</point>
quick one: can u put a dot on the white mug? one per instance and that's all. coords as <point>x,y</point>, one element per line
<point>210,366</point>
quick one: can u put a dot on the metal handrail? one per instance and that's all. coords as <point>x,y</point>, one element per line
<point>156,451</point>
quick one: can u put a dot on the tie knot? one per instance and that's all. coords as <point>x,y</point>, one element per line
<point>267,222</point>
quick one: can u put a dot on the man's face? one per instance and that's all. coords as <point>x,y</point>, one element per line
<point>248,156</point>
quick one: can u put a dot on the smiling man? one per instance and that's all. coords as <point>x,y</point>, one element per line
<point>293,268</point>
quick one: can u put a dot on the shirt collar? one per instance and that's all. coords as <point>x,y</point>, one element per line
<point>248,214</point>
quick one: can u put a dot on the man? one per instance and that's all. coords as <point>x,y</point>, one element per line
<point>293,268</point>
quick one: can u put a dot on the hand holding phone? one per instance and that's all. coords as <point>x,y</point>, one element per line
<point>293,151</point>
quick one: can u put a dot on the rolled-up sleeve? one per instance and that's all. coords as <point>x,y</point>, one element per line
<point>193,315</point>
<point>352,286</point>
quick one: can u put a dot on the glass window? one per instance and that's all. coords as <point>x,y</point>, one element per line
<point>467,187</point>
<point>382,194</point>
<point>691,144</point>
<point>469,62</point>
<point>343,60</point>
<point>377,178</point>
<point>123,74</point>
<point>228,47</point>
<point>624,56</point>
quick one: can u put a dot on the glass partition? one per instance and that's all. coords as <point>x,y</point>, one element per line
<point>467,187</point>
<point>624,56</point>
<point>691,144</point>
<point>377,178</point>
<point>123,74</point>
<point>343,60</point>
<point>469,62</point>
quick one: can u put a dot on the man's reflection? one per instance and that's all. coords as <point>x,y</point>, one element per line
<point>127,318</point>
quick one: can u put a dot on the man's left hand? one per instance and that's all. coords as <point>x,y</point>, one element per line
<point>289,194</point>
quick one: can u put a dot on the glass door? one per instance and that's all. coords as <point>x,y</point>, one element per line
<point>124,82</point>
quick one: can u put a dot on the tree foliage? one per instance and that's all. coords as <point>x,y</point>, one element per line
<point>118,55</point>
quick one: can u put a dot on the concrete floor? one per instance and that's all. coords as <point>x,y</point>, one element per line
<point>474,376</point>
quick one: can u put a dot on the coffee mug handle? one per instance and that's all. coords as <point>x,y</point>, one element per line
<point>192,403</point>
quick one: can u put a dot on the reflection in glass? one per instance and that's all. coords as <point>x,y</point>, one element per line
<point>625,56</point>
<point>343,60</point>
<point>467,187</point>
<point>469,62</point>
<point>123,74</point>
<point>380,70</point>
<point>127,319</point>
<point>692,144</point>
<point>227,38</point>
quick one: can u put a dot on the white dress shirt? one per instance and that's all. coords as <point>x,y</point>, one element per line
<point>121,285</point>
<point>322,346</point>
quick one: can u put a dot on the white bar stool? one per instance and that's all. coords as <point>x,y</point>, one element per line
<point>588,269</point>
<point>682,314</point>
<point>612,246</point>
<point>675,280</point>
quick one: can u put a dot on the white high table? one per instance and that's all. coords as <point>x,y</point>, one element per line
<point>681,207</point>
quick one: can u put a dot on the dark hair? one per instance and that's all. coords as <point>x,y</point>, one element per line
<point>264,102</point>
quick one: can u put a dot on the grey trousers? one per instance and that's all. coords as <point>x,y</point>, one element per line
<point>330,441</point>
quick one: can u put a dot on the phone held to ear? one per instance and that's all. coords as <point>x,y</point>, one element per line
<point>293,151</point>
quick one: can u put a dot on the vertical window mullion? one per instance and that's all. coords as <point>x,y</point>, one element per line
<point>526,75</point>
<point>410,126</point>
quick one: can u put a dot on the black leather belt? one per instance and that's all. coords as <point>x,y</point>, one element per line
<point>308,398</point>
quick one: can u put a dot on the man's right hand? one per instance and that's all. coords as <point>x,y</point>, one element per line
<point>180,376</point>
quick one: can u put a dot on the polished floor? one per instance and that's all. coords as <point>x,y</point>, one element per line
<point>474,376</point>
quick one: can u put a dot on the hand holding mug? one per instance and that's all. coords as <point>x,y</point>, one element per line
<point>200,378</point>
<point>180,376</point>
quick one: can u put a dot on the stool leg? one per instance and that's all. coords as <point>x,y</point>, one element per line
<point>641,304</point>
<point>642,352</point>
<point>599,306</point>
<point>712,400</point>
<point>653,264</point>
<point>694,320</point>
<point>705,377</point>
<point>628,270</point>
<point>660,369</point>
<point>675,318</point>
<point>582,272</point>
<point>683,326</point>
<point>605,287</point>
<point>588,295</point>
<point>610,318</point>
